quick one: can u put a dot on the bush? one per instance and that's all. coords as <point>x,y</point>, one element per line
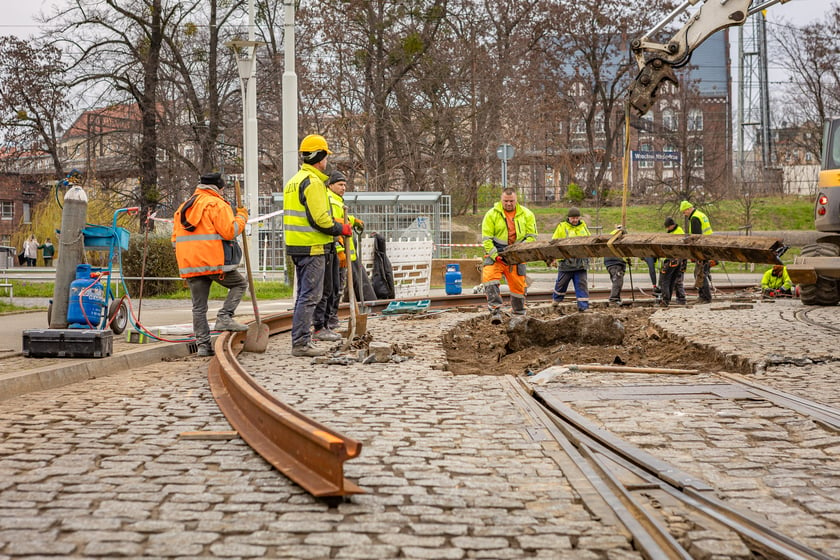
<point>160,263</point>
<point>574,193</point>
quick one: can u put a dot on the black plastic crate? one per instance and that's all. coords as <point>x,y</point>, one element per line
<point>68,343</point>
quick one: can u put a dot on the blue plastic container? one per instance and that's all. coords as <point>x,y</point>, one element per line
<point>453,279</point>
<point>87,299</point>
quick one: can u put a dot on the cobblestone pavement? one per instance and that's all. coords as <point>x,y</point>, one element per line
<point>98,469</point>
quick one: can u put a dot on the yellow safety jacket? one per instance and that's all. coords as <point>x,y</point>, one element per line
<point>204,234</point>
<point>770,282</point>
<point>564,230</point>
<point>337,203</point>
<point>494,232</point>
<point>702,224</point>
<point>308,224</point>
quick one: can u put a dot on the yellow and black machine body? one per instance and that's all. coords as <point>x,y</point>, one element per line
<point>817,268</point>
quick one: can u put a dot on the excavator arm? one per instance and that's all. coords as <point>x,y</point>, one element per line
<point>657,61</point>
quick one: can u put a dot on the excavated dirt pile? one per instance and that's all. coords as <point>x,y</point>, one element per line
<point>546,337</point>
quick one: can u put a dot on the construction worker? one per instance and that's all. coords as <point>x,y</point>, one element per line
<point>776,282</point>
<point>672,271</point>
<point>326,312</point>
<point>572,269</point>
<point>204,234</point>
<point>309,229</point>
<point>616,267</point>
<point>698,224</point>
<point>506,223</point>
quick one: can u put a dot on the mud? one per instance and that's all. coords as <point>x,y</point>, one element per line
<point>604,336</point>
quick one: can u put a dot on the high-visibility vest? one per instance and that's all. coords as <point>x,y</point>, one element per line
<point>705,224</point>
<point>494,232</point>
<point>338,213</point>
<point>308,224</point>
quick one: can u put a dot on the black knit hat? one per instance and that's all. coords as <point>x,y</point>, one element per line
<point>669,221</point>
<point>573,211</point>
<point>336,177</point>
<point>213,179</point>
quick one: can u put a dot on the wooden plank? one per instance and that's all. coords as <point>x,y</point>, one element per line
<point>697,247</point>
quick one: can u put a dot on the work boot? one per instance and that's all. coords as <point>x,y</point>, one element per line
<point>496,317</point>
<point>518,305</point>
<point>226,323</point>
<point>326,335</point>
<point>205,350</point>
<point>494,296</point>
<point>307,350</point>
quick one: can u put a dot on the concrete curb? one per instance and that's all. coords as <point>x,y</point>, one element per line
<point>52,376</point>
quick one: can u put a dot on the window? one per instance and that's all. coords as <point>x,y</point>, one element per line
<point>645,164</point>
<point>579,126</point>
<point>695,119</point>
<point>27,214</point>
<point>697,156</point>
<point>599,122</point>
<point>669,119</point>
<point>668,164</point>
<point>7,210</point>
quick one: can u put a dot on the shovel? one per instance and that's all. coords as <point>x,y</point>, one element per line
<point>256,339</point>
<point>354,309</point>
<point>361,318</point>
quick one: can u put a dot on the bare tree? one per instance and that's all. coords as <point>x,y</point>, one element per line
<point>33,102</point>
<point>811,55</point>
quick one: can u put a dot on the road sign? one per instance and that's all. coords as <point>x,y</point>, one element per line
<point>505,152</point>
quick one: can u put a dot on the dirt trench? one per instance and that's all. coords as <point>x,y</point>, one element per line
<point>546,337</point>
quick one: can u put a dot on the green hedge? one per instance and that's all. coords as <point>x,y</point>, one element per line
<point>160,263</point>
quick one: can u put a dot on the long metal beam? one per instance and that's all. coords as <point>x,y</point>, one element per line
<point>698,247</point>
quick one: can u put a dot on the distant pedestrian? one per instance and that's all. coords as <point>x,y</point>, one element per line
<point>49,251</point>
<point>698,224</point>
<point>572,269</point>
<point>616,266</point>
<point>30,251</point>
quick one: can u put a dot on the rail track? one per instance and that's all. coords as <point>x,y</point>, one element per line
<point>642,493</point>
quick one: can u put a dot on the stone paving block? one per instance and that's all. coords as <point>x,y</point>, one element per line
<point>237,550</point>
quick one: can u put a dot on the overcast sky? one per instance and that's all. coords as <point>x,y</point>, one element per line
<point>18,14</point>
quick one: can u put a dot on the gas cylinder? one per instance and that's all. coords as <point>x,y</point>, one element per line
<point>453,279</point>
<point>87,299</point>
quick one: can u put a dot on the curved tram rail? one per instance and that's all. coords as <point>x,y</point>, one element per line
<point>308,452</point>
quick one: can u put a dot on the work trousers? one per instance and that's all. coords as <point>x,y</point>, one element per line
<point>580,279</point>
<point>200,293</point>
<point>616,280</point>
<point>309,272</point>
<point>328,305</point>
<point>671,280</point>
<point>703,280</point>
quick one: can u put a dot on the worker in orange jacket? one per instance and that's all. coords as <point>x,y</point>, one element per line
<point>204,234</point>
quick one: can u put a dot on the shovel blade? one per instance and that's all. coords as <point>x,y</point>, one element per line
<point>256,339</point>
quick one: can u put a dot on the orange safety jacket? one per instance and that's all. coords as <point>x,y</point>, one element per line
<point>205,233</point>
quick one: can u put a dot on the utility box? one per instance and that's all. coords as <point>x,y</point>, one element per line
<point>67,343</point>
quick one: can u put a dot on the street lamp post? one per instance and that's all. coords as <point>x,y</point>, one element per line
<point>246,61</point>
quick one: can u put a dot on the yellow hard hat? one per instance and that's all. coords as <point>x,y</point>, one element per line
<point>314,143</point>
<point>685,205</point>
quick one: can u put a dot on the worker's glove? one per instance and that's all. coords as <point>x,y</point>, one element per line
<point>488,260</point>
<point>346,230</point>
<point>242,211</point>
<point>342,259</point>
<point>500,260</point>
<point>358,226</point>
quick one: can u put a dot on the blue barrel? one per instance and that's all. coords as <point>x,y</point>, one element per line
<point>87,299</point>
<point>453,279</point>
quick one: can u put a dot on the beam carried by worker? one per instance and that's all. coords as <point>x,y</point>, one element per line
<point>699,247</point>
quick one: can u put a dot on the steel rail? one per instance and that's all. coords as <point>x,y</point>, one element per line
<point>765,539</point>
<point>308,452</point>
